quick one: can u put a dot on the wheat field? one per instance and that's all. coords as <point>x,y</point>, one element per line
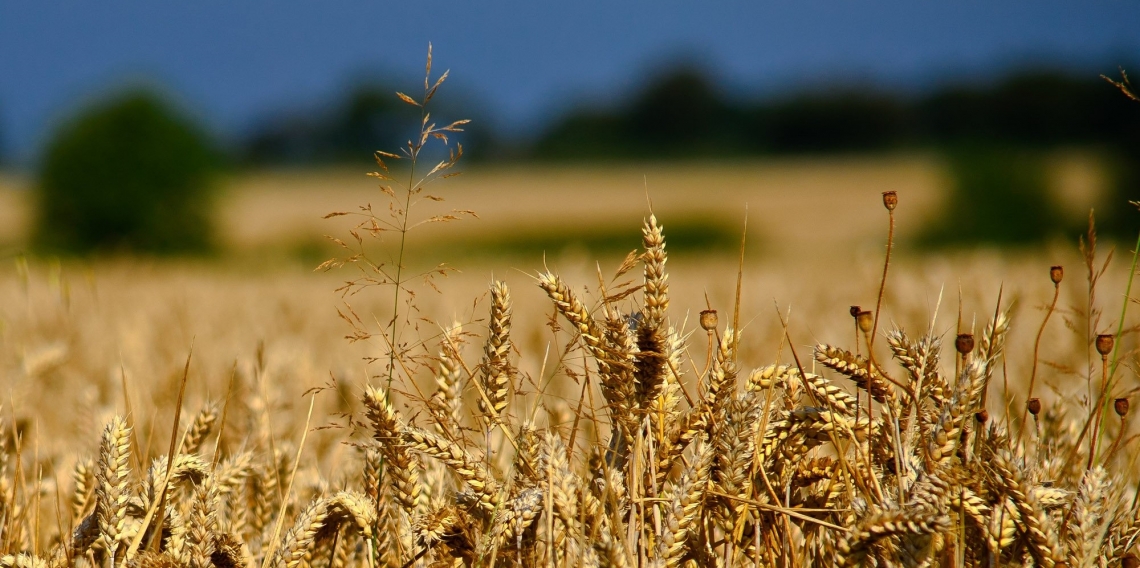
<point>489,451</point>
<point>807,390</point>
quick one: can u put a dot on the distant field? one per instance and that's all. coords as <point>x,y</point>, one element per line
<point>796,207</point>
<point>834,196</point>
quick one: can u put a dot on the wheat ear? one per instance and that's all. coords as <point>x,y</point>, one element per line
<point>401,464</point>
<point>496,369</point>
<point>466,468</point>
<point>84,479</point>
<point>199,429</point>
<point>321,520</point>
<point>686,500</point>
<point>113,476</point>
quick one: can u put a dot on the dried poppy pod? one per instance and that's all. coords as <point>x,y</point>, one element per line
<point>1034,406</point>
<point>1130,561</point>
<point>855,311</point>
<point>866,321</point>
<point>1104,343</point>
<point>1121,406</point>
<point>965,343</point>
<point>1056,273</point>
<point>890,200</point>
<point>982,416</point>
<point>708,320</point>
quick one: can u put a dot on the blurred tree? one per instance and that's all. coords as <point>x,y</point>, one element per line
<point>1117,217</point>
<point>126,174</point>
<point>371,118</point>
<point>285,138</point>
<point>680,114</point>
<point>994,137</point>
<point>845,120</point>
<point>585,134</point>
<point>998,194</point>
<point>367,117</point>
<point>1040,108</point>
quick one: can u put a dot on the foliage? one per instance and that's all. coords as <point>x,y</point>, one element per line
<point>997,194</point>
<point>346,129</point>
<point>127,174</point>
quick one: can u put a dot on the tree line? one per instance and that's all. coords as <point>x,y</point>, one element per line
<point>133,172</point>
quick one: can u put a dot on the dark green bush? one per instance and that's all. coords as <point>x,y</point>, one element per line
<point>1115,217</point>
<point>129,174</point>
<point>998,195</point>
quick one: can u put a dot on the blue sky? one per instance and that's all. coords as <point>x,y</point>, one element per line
<point>232,62</point>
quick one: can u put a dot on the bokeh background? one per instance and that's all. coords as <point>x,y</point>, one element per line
<point>801,107</point>
<point>165,168</point>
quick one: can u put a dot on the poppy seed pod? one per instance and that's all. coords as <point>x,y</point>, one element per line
<point>1056,273</point>
<point>1034,406</point>
<point>1121,406</point>
<point>890,200</point>
<point>1104,343</point>
<point>1130,561</point>
<point>866,321</point>
<point>855,311</point>
<point>965,343</point>
<point>708,320</point>
<point>982,416</point>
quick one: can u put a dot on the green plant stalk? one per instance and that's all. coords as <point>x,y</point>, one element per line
<point>1119,330</point>
<point>1124,308</point>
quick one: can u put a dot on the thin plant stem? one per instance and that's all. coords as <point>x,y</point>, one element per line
<point>393,328</point>
<point>882,283</point>
<point>875,325</point>
<point>1124,309</point>
<point>739,284</point>
<point>1099,410</point>
<point>1116,442</point>
<point>1120,327</point>
<point>1036,351</point>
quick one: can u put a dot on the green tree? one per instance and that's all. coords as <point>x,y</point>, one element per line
<point>998,194</point>
<point>126,174</point>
